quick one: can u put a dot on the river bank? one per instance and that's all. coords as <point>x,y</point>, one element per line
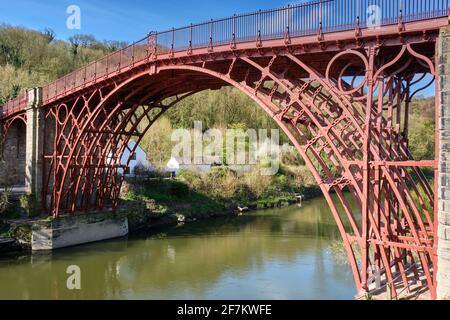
<point>156,203</point>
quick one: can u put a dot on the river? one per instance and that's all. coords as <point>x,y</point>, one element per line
<point>274,254</point>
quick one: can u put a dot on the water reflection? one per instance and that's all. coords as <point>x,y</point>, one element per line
<point>276,254</point>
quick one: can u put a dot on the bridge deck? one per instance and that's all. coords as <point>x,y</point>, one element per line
<point>316,22</point>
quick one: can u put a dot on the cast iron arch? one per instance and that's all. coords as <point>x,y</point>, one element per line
<point>326,119</point>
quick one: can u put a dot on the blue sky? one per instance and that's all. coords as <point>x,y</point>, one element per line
<point>125,20</point>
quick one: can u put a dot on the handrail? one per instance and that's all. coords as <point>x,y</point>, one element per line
<point>311,18</point>
<point>15,105</point>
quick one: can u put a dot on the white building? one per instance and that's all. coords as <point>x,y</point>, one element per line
<point>175,165</point>
<point>138,159</point>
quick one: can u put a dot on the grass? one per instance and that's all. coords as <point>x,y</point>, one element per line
<point>196,195</point>
<point>173,197</point>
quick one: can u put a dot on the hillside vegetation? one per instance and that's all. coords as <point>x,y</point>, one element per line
<point>30,58</point>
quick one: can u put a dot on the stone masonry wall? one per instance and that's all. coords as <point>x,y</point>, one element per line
<point>443,272</point>
<point>34,143</point>
<point>14,156</point>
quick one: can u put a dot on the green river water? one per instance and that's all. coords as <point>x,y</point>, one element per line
<point>275,254</point>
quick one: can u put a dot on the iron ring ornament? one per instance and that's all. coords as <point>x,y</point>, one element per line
<point>340,89</point>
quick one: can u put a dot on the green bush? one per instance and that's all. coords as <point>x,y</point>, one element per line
<point>178,189</point>
<point>29,205</point>
<point>4,201</point>
<point>280,183</point>
<point>244,193</point>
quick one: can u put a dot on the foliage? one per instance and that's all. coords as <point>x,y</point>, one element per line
<point>4,191</point>
<point>291,158</point>
<point>421,129</point>
<point>157,142</point>
<point>4,201</point>
<point>29,205</point>
<point>21,231</point>
<point>221,109</point>
<point>30,58</point>
<point>421,139</point>
<point>4,230</point>
<point>178,189</point>
<point>228,186</point>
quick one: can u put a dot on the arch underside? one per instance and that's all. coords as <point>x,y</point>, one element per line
<point>353,137</point>
<point>6,124</point>
<point>13,150</point>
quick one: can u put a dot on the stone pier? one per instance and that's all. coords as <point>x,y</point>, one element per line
<point>443,267</point>
<point>76,230</point>
<point>34,144</point>
<point>65,231</point>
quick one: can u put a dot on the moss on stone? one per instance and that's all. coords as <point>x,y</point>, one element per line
<point>22,232</point>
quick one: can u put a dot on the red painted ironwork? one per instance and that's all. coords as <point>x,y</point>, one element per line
<point>14,106</point>
<point>5,125</point>
<point>339,90</point>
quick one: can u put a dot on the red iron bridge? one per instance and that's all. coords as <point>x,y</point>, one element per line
<point>338,77</point>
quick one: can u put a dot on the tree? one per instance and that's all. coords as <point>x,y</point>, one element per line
<point>29,58</point>
<point>49,34</point>
<point>81,40</point>
<point>157,142</point>
<point>113,46</point>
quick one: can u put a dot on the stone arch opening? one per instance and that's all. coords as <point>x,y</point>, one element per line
<point>14,153</point>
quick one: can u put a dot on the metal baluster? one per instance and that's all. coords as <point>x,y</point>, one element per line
<point>190,40</point>
<point>233,39</point>
<point>288,27</point>
<point>211,30</point>
<point>172,50</point>
<point>107,65</point>
<point>258,41</point>
<point>320,20</point>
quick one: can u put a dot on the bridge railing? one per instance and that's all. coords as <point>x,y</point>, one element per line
<point>299,20</point>
<point>14,106</point>
<point>312,18</point>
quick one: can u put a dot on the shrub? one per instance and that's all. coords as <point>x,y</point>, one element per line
<point>4,201</point>
<point>291,157</point>
<point>29,205</point>
<point>227,187</point>
<point>178,189</point>
<point>280,183</point>
<point>259,184</point>
<point>193,179</point>
<point>243,193</point>
<point>141,171</point>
